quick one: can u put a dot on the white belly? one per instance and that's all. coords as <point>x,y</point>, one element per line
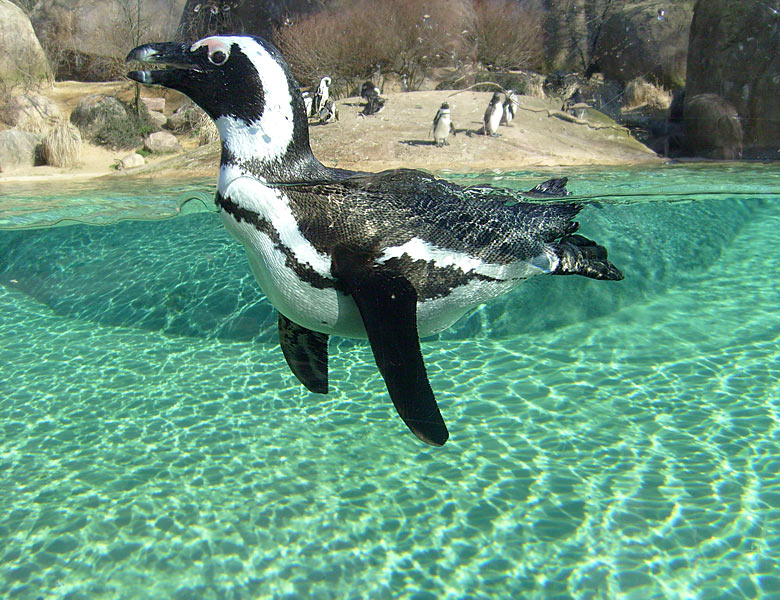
<point>442,129</point>
<point>325,310</point>
<point>494,120</point>
<point>328,310</point>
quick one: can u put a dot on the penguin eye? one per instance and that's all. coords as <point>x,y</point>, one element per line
<point>218,57</point>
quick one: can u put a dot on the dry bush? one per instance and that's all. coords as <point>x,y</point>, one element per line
<point>351,41</point>
<point>639,92</point>
<point>61,146</point>
<point>508,34</point>
<point>206,129</point>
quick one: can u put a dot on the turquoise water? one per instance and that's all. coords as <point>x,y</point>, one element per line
<point>608,440</point>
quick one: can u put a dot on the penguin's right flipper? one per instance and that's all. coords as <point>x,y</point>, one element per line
<point>580,256</point>
<point>387,302</point>
<point>306,353</point>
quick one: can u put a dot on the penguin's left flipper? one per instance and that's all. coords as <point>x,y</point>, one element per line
<point>306,353</point>
<point>387,302</point>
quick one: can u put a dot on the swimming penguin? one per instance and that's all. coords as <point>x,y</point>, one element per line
<point>329,112</point>
<point>493,115</point>
<point>391,256</point>
<point>442,125</point>
<point>510,108</point>
<point>321,96</point>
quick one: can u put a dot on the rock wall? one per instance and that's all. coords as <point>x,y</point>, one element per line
<point>734,52</point>
<point>21,57</point>
<point>646,39</point>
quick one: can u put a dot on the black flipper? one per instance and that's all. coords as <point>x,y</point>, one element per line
<point>580,256</point>
<point>306,352</point>
<point>388,305</point>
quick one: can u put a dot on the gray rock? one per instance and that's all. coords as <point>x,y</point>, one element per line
<point>132,160</point>
<point>31,112</point>
<point>94,111</point>
<point>162,142</point>
<point>185,118</point>
<point>712,128</point>
<point>158,118</point>
<point>22,59</point>
<point>647,39</point>
<point>735,53</point>
<point>18,149</point>
<point>154,104</point>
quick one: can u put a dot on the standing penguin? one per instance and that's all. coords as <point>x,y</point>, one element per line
<point>390,256</point>
<point>493,115</point>
<point>321,96</point>
<point>442,125</point>
<point>368,89</point>
<point>329,112</point>
<point>510,108</point>
<point>374,103</point>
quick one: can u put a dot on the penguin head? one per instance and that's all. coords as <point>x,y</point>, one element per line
<point>242,82</point>
<point>233,76</point>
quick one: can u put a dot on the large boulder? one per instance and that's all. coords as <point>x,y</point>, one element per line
<point>162,142</point>
<point>624,40</point>
<point>712,128</point>
<point>734,52</point>
<point>22,60</point>
<point>646,39</point>
<point>18,149</point>
<point>31,112</point>
<point>94,112</point>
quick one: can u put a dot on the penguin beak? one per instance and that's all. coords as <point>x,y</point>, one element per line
<point>165,53</point>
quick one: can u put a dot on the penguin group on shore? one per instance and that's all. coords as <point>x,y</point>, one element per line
<point>391,256</point>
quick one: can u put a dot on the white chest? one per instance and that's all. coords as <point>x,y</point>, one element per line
<point>494,118</point>
<point>442,128</point>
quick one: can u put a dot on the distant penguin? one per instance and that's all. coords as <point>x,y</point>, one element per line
<point>374,103</point>
<point>575,104</point>
<point>321,95</point>
<point>442,125</point>
<point>510,108</point>
<point>308,102</point>
<point>329,112</point>
<point>368,89</point>
<point>493,115</point>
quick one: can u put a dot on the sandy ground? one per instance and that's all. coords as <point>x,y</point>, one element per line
<point>399,136</point>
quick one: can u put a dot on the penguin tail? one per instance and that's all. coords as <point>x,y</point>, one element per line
<point>577,255</point>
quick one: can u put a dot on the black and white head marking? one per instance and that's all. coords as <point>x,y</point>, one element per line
<point>262,120</point>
